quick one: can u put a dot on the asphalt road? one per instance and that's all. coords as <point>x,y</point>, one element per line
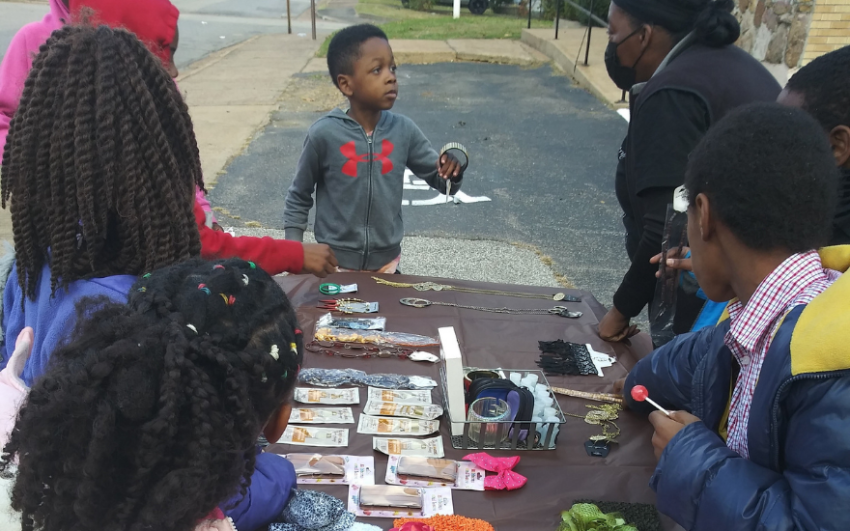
<point>205,25</point>
<point>542,150</point>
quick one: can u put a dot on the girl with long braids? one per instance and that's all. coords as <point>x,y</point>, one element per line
<point>148,417</point>
<point>100,167</point>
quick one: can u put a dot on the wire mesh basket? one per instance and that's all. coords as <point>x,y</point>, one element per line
<point>540,435</point>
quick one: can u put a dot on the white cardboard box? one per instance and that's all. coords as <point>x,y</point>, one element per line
<point>453,360</point>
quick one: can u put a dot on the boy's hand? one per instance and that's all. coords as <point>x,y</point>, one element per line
<point>667,427</point>
<point>448,166</point>
<point>319,260</point>
<point>615,327</point>
<point>672,261</point>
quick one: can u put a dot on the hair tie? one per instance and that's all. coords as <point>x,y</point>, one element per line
<point>142,290</point>
<point>204,288</point>
<point>275,352</point>
<point>298,332</point>
<point>294,348</point>
<point>192,328</point>
<point>253,265</point>
<point>228,299</point>
<point>245,279</point>
<point>285,374</point>
<point>218,266</point>
<point>146,275</point>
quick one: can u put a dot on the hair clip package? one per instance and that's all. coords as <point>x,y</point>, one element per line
<point>340,377</point>
<point>432,447</point>
<point>376,337</point>
<point>306,395</point>
<point>381,501</point>
<point>399,397</point>
<point>396,426</point>
<point>412,411</point>
<point>321,415</point>
<point>352,323</point>
<point>310,436</point>
<point>315,469</point>
<point>429,472</point>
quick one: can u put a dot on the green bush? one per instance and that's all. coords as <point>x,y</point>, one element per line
<point>420,5</point>
<point>599,8</point>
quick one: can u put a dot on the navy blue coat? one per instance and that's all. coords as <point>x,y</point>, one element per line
<point>798,474</point>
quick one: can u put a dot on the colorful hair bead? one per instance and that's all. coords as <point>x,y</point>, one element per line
<point>245,279</point>
<point>228,299</point>
<point>285,374</point>
<point>298,332</point>
<point>146,275</point>
<point>294,348</point>
<point>218,266</point>
<point>192,328</point>
<point>253,265</point>
<point>142,290</point>
<point>275,352</point>
<point>206,290</point>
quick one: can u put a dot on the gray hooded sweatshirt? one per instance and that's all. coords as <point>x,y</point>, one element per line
<point>358,182</point>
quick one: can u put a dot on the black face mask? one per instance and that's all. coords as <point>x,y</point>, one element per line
<point>622,76</point>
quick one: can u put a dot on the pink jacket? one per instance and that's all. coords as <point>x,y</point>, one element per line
<point>17,63</point>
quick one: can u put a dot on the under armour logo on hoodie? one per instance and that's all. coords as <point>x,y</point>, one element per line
<point>349,151</point>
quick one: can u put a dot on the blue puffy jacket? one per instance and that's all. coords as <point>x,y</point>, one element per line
<point>798,474</point>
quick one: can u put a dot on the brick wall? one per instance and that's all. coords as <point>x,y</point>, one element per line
<point>829,30</point>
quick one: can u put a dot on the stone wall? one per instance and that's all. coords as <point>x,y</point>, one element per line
<point>775,31</point>
<point>786,34</point>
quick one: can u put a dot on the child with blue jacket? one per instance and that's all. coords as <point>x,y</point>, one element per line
<point>758,438</point>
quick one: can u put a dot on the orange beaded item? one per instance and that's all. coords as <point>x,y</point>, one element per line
<point>448,523</point>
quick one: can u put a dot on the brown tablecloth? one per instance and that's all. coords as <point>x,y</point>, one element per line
<point>555,478</point>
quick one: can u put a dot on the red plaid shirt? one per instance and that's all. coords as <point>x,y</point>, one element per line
<point>797,280</point>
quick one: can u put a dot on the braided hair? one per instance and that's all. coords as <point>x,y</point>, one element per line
<point>101,162</point>
<point>148,418</point>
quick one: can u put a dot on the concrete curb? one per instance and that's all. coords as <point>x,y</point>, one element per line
<point>593,78</point>
<point>496,51</point>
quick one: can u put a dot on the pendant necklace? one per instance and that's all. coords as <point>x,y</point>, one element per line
<point>433,286</point>
<point>561,311</point>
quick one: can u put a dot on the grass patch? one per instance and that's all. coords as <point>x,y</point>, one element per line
<point>438,24</point>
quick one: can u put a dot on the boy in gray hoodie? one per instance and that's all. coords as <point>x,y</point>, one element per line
<point>355,160</point>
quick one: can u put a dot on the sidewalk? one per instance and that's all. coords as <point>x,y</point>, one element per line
<point>232,93</point>
<point>569,48</point>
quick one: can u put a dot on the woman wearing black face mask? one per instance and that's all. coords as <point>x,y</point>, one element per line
<point>677,59</point>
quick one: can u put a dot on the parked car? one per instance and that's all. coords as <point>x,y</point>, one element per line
<point>476,7</point>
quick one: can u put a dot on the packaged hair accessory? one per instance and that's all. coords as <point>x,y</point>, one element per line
<point>322,415</point>
<point>344,335</point>
<point>411,411</point>
<point>353,323</point>
<point>309,436</point>
<point>399,397</point>
<point>415,447</point>
<point>381,501</point>
<point>315,469</point>
<point>430,472</point>
<point>306,395</point>
<point>386,425</point>
<point>340,377</point>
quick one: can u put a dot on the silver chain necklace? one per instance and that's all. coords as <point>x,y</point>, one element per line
<point>561,311</point>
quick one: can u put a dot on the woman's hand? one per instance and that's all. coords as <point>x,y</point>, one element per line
<point>615,326</point>
<point>674,260</point>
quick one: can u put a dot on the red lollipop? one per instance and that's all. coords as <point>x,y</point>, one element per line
<point>639,393</point>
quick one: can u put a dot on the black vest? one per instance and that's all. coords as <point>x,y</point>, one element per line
<point>723,78</point>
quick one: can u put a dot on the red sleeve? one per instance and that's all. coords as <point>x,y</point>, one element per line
<point>273,256</point>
